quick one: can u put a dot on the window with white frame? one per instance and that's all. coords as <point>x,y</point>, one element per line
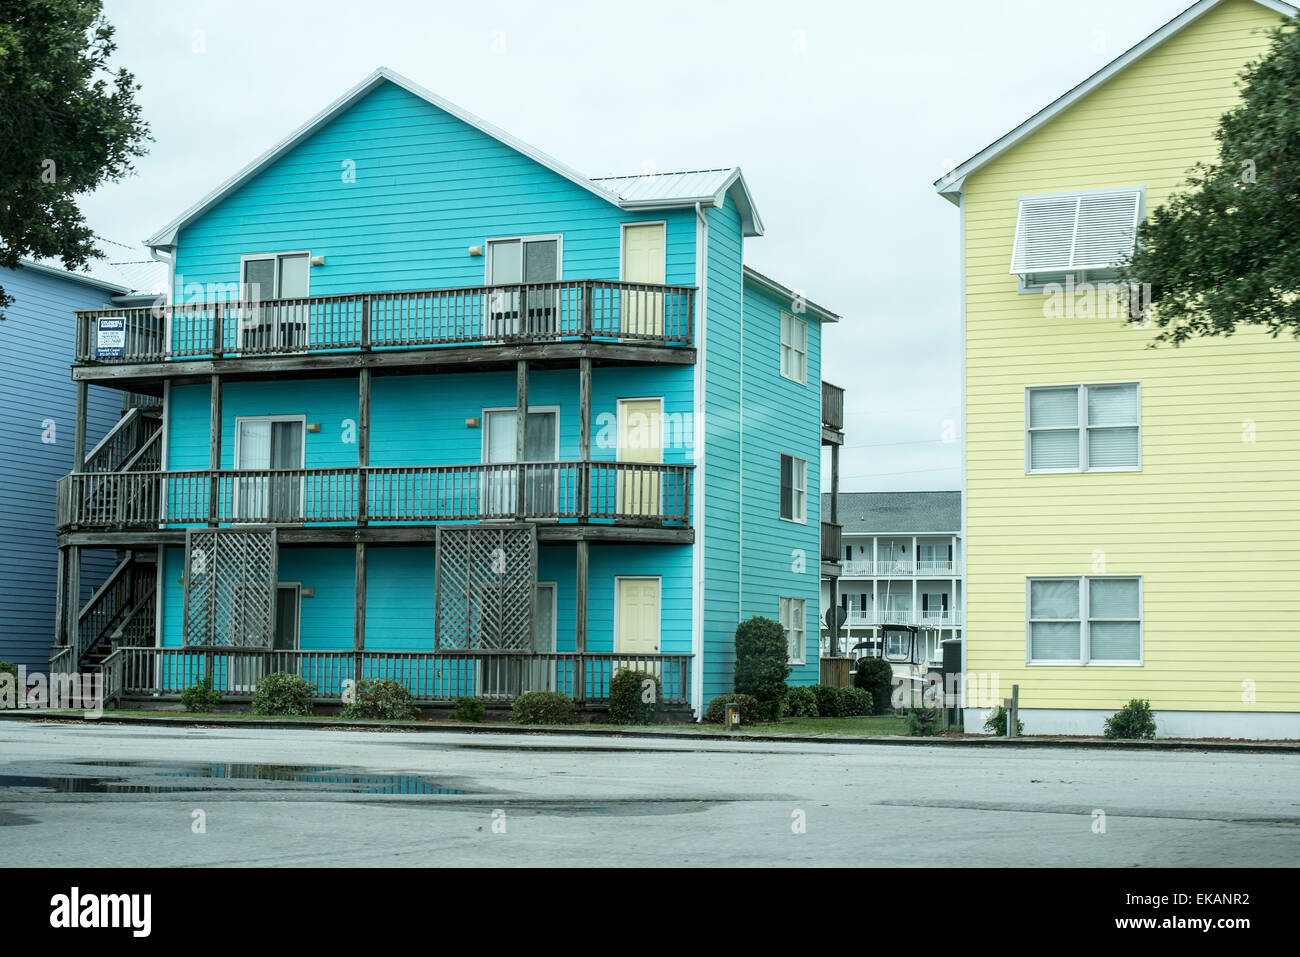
<point>1085,235</point>
<point>794,489</point>
<point>1084,620</point>
<point>793,612</point>
<point>1083,428</point>
<point>794,348</point>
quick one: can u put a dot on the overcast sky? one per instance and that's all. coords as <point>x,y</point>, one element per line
<point>841,115</point>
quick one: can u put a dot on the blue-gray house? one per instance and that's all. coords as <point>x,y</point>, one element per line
<point>342,484</point>
<point>38,415</point>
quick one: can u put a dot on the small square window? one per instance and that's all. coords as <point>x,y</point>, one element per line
<point>1083,428</point>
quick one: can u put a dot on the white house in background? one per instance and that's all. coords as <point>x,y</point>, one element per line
<point>902,565</point>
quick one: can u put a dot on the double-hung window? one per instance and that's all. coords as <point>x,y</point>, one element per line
<point>1083,428</point>
<point>794,348</point>
<point>1084,620</point>
<point>794,489</point>
<point>793,612</point>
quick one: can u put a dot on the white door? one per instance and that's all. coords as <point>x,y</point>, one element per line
<point>279,326</point>
<point>640,441</point>
<point>518,267</point>
<point>266,445</point>
<point>644,260</point>
<point>638,616</point>
<point>498,490</point>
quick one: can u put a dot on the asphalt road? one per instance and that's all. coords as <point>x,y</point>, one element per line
<point>86,796</point>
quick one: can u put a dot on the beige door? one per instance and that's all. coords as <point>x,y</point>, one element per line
<point>640,441</point>
<point>644,260</point>
<point>638,616</point>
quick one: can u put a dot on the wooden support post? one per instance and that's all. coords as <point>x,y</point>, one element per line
<point>214,453</point>
<point>359,610</point>
<point>218,330</point>
<point>363,447</point>
<point>521,435</point>
<point>587,311</point>
<point>74,604</point>
<point>833,617</point>
<point>584,438</point>
<point>61,598</point>
<point>580,596</point>
<point>79,436</point>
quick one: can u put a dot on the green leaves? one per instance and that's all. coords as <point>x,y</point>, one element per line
<point>69,123</point>
<point>1225,252</point>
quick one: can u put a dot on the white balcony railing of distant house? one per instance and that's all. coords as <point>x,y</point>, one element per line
<point>573,310</point>
<point>938,618</point>
<point>619,492</point>
<point>899,568</point>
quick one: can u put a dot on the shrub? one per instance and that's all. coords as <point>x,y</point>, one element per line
<point>628,691</point>
<point>996,722</point>
<point>281,694</point>
<point>830,700</point>
<point>1134,720</point>
<point>761,663</point>
<point>717,712</point>
<point>468,709</point>
<point>876,676</point>
<point>381,699</point>
<point>200,696</point>
<point>856,702</point>
<point>543,707</point>
<point>9,668</point>
<point>799,703</point>
<point>922,721</point>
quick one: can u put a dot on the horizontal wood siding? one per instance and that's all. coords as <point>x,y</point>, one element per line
<point>779,558</point>
<point>38,416</point>
<point>1212,521</point>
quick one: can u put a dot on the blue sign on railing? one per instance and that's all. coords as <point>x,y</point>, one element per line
<point>110,337</point>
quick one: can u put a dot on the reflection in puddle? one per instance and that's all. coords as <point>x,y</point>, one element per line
<point>148,777</point>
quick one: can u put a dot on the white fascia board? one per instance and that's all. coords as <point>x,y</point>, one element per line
<point>781,292</point>
<point>950,185</point>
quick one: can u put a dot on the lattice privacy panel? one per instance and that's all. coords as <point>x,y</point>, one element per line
<point>487,577</point>
<point>230,577</point>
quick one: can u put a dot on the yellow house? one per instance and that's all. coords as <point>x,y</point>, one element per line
<point>1132,515</point>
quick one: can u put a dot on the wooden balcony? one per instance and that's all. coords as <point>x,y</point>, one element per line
<point>432,677</point>
<point>389,325</point>
<point>832,414</point>
<point>621,493</point>
<point>832,539</point>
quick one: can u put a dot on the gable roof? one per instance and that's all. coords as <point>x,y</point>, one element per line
<point>666,194</point>
<point>769,284</point>
<point>950,185</point>
<point>898,513</point>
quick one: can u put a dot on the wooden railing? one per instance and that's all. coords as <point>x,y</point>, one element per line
<point>621,492</point>
<point>523,313</point>
<point>133,438</point>
<point>832,406</point>
<point>431,677</point>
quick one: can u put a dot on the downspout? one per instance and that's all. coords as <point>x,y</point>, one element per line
<point>697,554</point>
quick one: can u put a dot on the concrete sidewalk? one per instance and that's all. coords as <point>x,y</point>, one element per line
<point>694,732</point>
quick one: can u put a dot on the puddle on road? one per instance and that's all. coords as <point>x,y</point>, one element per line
<point>149,777</point>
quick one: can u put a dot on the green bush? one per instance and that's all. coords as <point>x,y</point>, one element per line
<point>281,694</point>
<point>857,702</point>
<point>1134,720</point>
<point>717,711</point>
<point>799,703</point>
<point>761,663</point>
<point>877,677</point>
<point>543,707</point>
<point>381,699</point>
<point>468,709</point>
<point>200,696</point>
<point>9,668</point>
<point>996,722</point>
<point>830,700</point>
<point>628,691</point>
<point>922,721</point>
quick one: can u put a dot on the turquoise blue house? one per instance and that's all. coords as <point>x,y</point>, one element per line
<point>345,487</point>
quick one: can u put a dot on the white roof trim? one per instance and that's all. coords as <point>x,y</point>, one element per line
<point>950,185</point>
<point>166,237</point>
<point>781,292</point>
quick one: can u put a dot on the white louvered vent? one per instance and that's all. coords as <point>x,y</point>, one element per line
<point>1068,233</point>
